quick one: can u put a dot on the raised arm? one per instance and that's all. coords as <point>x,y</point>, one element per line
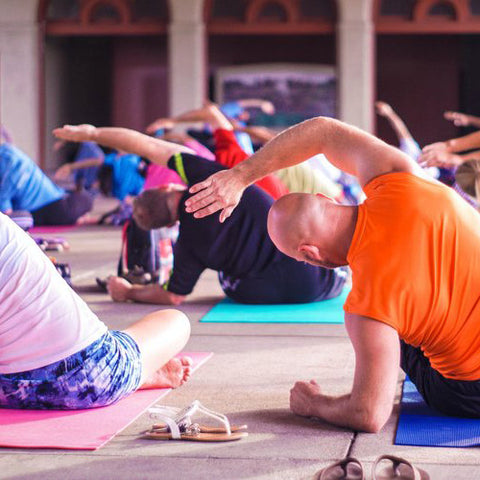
<point>444,159</point>
<point>462,119</point>
<point>369,405</point>
<point>265,105</point>
<point>156,150</point>
<point>256,132</point>
<point>397,124</point>
<point>454,145</point>
<point>348,148</point>
<point>67,168</point>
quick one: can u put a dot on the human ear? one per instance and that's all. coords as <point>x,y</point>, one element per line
<point>309,251</point>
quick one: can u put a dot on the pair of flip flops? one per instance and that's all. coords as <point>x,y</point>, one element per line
<point>385,467</point>
<point>176,424</point>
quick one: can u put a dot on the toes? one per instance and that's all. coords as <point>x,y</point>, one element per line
<point>186,361</point>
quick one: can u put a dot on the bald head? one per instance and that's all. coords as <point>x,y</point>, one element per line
<point>295,218</point>
<point>311,228</point>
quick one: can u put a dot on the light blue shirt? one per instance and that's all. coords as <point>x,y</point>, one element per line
<point>126,179</point>
<point>23,185</point>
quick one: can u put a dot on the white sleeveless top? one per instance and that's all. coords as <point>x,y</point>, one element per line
<point>42,320</point>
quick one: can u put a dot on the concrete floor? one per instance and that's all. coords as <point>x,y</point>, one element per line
<point>248,378</point>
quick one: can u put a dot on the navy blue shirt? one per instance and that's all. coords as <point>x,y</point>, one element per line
<point>240,247</point>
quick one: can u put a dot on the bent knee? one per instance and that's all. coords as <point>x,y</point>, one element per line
<point>180,319</point>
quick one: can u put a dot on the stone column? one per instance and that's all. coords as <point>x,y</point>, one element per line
<point>356,62</point>
<point>19,73</point>
<point>187,55</point>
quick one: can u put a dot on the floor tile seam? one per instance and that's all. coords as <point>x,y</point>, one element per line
<point>196,457</point>
<point>84,275</point>
<point>352,444</point>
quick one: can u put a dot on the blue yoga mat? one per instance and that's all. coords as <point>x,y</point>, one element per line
<point>422,426</point>
<point>326,311</point>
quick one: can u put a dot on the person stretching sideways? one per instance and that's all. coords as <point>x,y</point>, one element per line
<point>251,269</point>
<point>54,351</point>
<point>415,300</point>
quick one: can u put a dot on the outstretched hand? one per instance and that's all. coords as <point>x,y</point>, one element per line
<point>75,133</point>
<point>63,172</point>
<point>383,109</point>
<point>458,119</point>
<point>439,158</point>
<point>221,191</point>
<point>160,123</point>
<point>268,107</point>
<point>435,147</point>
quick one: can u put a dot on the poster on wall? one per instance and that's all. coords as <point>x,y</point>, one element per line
<point>297,91</point>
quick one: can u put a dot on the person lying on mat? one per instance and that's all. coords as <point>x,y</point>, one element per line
<point>251,269</point>
<point>415,298</point>
<point>23,186</point>
<point>54,351</point>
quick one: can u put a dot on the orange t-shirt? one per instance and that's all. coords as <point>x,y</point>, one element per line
<point>415,259</point>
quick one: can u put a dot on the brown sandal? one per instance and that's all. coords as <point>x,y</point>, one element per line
<point>341,471</point>
<point>400,470</point>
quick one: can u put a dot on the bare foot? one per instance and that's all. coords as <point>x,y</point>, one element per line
<point>173,374</point>
<point>88,219</point>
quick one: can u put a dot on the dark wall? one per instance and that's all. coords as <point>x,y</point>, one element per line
<point>470,77</point>
<point>88,80</point>
<point>139,91</point>
<point>237,49</point>
<point>420,76</point>
<point>115,80</point>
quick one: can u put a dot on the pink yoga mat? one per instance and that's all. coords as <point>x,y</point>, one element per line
<point>52,229</point>
<point>79,429</point>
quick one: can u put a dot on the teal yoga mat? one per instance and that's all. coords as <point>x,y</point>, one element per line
<point>326,311</point>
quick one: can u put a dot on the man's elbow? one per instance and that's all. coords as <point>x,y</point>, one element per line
<point>373,425</point>
<point>373,420</point>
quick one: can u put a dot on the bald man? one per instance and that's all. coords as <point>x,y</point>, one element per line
<point>415,299</point>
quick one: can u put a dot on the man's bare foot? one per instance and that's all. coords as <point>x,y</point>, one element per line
<point>88,219</point>
<point>173,374</point>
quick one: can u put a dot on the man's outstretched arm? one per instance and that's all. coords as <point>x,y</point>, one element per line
<point>348,148</point>
<point>369,405</point>
<point>462,119</point>
<point>460,144</point>
<point>156,150</point>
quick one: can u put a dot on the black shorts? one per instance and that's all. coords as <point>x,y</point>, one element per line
<point>286,281</point>
<point>65,211</point>
<point>457,398</point>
